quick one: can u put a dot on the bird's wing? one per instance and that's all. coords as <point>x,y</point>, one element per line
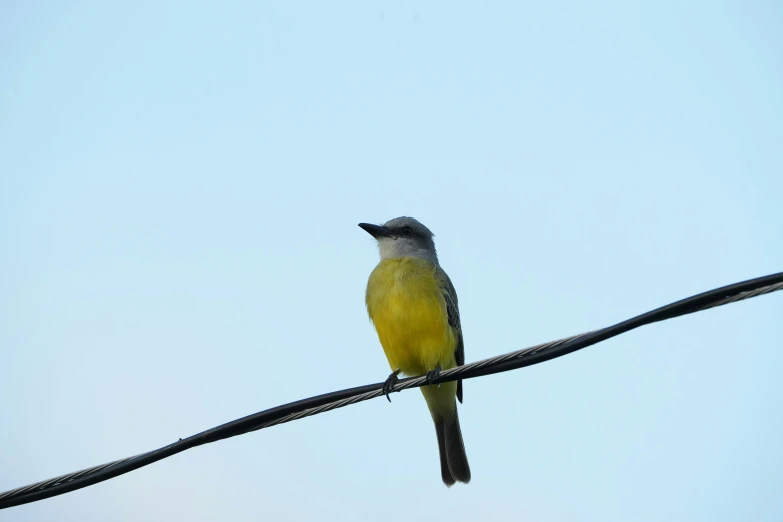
<point>452,308</point>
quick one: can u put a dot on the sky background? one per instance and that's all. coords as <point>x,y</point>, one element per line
<point>180,184</point>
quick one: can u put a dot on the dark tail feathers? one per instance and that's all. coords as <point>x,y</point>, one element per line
<point>453,460</point>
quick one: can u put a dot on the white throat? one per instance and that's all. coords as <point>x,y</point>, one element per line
<point>391,248</point>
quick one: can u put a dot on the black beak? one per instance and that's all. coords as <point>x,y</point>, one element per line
<point>375,231</point>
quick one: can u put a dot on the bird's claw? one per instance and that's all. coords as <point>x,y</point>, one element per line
<point>388,386</point>
<point>433,374</point>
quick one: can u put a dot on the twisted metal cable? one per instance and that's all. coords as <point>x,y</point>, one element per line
<point>330,401</point>
<point>492,361</point>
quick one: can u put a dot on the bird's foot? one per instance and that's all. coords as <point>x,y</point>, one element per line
<point>433,374</point>
<point>388,386</point>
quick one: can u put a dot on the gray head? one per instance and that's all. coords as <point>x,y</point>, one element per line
<point>403,237</point>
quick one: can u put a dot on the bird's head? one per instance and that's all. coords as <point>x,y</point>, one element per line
<point>403,237</point>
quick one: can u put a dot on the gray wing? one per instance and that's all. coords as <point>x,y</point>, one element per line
<point>452,307</point>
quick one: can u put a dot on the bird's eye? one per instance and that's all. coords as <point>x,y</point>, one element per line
<point>406,230</point>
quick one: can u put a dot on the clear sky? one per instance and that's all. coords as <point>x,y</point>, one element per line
<point>180,185</point>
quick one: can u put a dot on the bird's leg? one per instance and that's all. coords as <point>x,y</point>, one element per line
<point>388,386</point>
<point>433,374</point>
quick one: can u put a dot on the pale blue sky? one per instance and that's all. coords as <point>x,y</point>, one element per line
<point>180,185</point>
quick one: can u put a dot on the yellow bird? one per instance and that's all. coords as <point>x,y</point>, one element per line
<point>413,306</point>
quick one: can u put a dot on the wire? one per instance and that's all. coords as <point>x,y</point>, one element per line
<point>338,399</point>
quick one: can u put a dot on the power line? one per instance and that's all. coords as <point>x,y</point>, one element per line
<point>338,399</point>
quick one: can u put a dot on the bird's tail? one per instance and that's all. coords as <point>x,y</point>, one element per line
<point>443,407</point>
<point>453,460</point>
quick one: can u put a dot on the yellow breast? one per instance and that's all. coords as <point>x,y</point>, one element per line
<point>406,305</point>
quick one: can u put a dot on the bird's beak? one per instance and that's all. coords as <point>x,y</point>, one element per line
<point>375,231</point>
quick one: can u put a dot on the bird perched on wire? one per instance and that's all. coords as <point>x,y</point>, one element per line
<point>413,305</point>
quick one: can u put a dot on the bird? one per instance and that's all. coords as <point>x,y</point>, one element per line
<point>413,305</point>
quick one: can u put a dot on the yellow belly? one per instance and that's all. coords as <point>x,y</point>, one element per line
<point>409,312</point>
